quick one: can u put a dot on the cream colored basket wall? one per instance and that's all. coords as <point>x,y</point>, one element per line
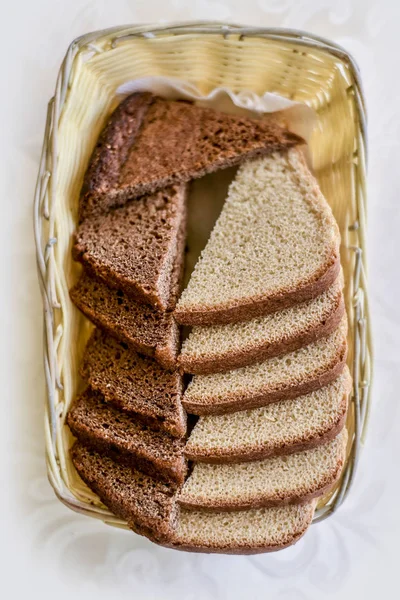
<point>293,64</point>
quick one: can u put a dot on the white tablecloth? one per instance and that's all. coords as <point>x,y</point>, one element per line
<point>49,552</point>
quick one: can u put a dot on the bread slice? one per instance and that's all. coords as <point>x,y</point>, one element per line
<point>292,479</point>
<point>150,509</point>
<point>146,503</point>
<point>275,244</point>
<point>134,383</point>
<point>280,428</point>
<point>252,531</point>
<point>140,326</point>
<point>219,348</point>
<point>98,424</point>
<point>282,377</point>
<point>150,143</point>
<point>134,248</point>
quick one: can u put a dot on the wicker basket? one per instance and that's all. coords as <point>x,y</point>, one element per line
<point>296,65</point>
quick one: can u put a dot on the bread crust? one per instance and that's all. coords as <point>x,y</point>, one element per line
<point>245,549</point>
<point>171,469</point>
<point>110,152</point>
<point>238,402</point>
<point>162,293</point>
<point>103,186</point>
<point>249,308</point>
<point>233,311</point>
<point>159,529</point>
<point>258,453</point>
<point>261,501</point>
<point>234,550</point>
<point>257,353</point>
<point>165,353</point>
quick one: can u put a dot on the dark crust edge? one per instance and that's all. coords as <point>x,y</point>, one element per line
<point>237,402</point>
<point>115,507</point>
<point>175,427</point>
<point>169,471</point>
<point>243,549</point>
<point>164,354</point>
<point>110,152</point>
<point>250,308</point>
<point>250,355</point>
<point>106,274</point>
<point>261,453</point>
<point>261,502</point>
<point>289,140</point>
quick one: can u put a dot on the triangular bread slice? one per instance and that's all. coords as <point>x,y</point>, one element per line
<point>280,428</point>
<point>254,531</point>
<point>150,143</point>
<point>149,506</point>
<point>292,479</point>
<point>119,435</point>
<point>282,377</point>
<point>134,248</point>
<point>219,348</point>
<point>140,326</point>
<point>134,383</point>
<point>275,244</point>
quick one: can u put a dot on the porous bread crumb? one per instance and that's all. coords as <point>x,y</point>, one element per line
<point>260,483</point>
<point>217,348</point>
<point>126,438</point>
<point>141,326</point>
<point>150,143</point>
<point>276,234</point>
<point>276,428</point>
<point>271,379</point>
<point>134,248</point>
<point>136,384</point>
<point>241,531</point>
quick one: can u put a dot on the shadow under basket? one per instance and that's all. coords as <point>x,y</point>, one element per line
<point>294,64</point>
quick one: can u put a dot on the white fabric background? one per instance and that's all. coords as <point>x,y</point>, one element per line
<point>47,551</point>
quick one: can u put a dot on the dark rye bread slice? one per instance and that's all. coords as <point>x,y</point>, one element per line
<point>121,436</point>
<point>134,248</point>
<point>150,143</point>
<point>140,326</point>
<point>134,383</point>
<point>220,348</point>
<point>280,428</point>
<point>279,378</point>
<point>147,504</point>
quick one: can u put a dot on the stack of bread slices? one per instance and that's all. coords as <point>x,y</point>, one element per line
<point>262,372</point>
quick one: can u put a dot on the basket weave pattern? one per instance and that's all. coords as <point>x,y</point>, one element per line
<point>293,64</point>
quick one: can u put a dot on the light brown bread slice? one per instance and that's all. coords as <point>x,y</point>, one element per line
<point>146,503</point>
<point>280,428</point>
<point>134,248</point>
<point>253,531</point>
<point>278,378</point>
<point>121,436</point>
<point>275,244</point>
<point>150,509</point>
<point>220,348</point>
<point>292,479</point>
<point>150,143</point>
<point>140,326</point>
<point>134,383</point>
